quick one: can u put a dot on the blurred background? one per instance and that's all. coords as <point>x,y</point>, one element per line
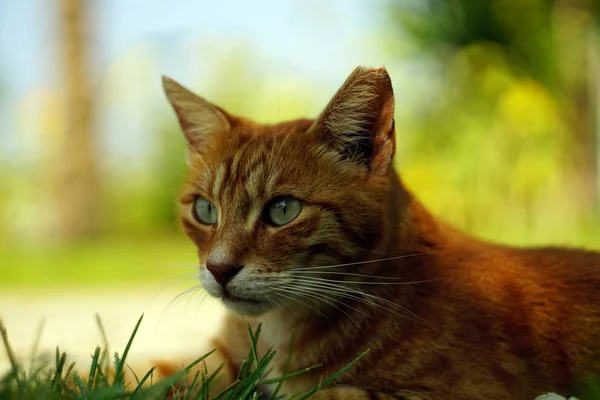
<point>497,117</point>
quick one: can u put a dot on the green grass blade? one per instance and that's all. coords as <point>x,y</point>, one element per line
<point>119,366</point>
<point>94,367</point>
<point>36,345</point>
<point>333,377</point>
<point>140,384</point>
<point>56,383</point>
<point>70,369</point>
<point>82,388</point>
<point>286,366</point>
<point>206,382</point>
<point>195,362</point>
<point>190,389</point>
<point>106,393</point>
<point>253,341</point>
<point>104,356</point>
<point>288,376</point>
<point>9,352</point>
<point>137,380</point>
<point>14,375</point>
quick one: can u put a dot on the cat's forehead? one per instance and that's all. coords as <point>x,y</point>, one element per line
<point>257,160</point>
<point>248,143</point>
<point>266,132</point>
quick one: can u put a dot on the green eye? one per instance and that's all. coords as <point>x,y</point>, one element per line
<point>205,212</point>
<point>282,210</point>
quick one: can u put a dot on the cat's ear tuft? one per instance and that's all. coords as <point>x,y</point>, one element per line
<point>198,118</point>
<point>358,122</point>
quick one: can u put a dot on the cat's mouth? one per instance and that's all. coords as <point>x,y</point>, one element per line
<point>237,299</point>
<point>244,305</point>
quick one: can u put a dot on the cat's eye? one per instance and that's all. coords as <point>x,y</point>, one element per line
<point>282,210</point>
<point>205,212</point>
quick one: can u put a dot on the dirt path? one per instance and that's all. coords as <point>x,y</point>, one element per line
<point>181,331</point>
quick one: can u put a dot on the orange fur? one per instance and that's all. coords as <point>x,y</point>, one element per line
<point>479,321</point>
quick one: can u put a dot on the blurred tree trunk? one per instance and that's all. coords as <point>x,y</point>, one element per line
<point>585,153</point>
<point>580,92</point>
<point>76,176</point>
<point>594,72</point>
<point>594,94</point>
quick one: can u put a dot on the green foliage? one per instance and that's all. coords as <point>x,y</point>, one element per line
<point>64,382</point>
<point>590,389</point>
<point>133,260</point>
<point>438,25</point>
<point>497,145</point>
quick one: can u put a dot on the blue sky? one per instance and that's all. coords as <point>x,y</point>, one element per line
<point>312,39</point>
<point>301,32</point>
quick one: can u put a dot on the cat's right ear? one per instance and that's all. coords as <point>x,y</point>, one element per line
<point>198,118</point>
<point>358,122</point>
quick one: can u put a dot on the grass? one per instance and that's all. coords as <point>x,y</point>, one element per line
<point>106,381</point>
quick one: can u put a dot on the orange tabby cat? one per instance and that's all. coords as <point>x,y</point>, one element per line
<point>305,226</point>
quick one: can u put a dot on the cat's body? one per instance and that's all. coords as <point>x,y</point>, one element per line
<point>291,221</point>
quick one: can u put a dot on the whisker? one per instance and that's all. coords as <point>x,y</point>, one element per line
<point>203,295</point>
<point>287,135</point>
<point>364,262</point>
<point>180,295</point>
<point>314,278</point>
<point>318,295</point>
<point>369,302</point>
<point>306,289</point>
<point>315,296</point>
<point>270,171</point>
<point>270,167</point>
<point>184,161</point>
<point>279,293</point>
<point>185,279</point>
<point>343,292</point>
<point>279,305</point>
<point>273,302</point>
<point>341,289</point>
<point>199,156</point>
<point>190,297</point>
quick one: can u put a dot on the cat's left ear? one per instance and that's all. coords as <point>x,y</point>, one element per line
<point>198,118</point>
<point>358,122</point>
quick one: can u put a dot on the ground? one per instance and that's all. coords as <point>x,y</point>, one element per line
<point>179,331</point>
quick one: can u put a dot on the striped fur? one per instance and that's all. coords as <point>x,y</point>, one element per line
<point>479,321</point>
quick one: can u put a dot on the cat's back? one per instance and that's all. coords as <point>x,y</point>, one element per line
<point>565,293</point>
<point>540,305</point>
<point>544,275</point>
<point>563,274</point>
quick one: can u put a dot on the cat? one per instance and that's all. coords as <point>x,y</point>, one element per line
<point>305,226</point>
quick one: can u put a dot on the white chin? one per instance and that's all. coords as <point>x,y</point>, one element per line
<point>250,308</point>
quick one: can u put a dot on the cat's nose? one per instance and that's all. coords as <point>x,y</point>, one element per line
<point>222,272</point>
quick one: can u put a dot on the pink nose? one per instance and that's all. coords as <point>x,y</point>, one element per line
<point>222,272</point>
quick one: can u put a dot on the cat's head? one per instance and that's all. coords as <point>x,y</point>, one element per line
<point>266,203</point>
